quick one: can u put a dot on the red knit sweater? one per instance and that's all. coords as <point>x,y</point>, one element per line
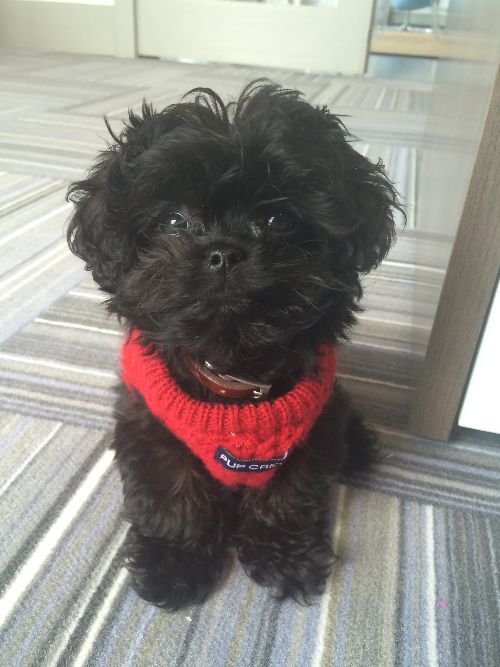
<point>239,444</point>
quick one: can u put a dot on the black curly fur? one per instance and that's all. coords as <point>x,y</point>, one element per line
<point>232,170</point>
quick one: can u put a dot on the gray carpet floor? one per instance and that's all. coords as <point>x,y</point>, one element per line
<point>418,537</point>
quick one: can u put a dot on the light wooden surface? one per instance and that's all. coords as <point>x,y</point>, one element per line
<point>423,44</point>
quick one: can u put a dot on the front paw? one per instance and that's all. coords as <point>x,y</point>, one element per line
<point>295,567</point>
<point>167,576</point>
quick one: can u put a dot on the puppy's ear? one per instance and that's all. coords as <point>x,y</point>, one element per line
<point>364,200</point>
<point>91,234</point>
<point>371,204</point>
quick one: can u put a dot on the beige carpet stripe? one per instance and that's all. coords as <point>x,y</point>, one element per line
<point>54,534</point>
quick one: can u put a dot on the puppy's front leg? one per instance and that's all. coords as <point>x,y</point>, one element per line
<point>175,546</point>
<point>283,536</point>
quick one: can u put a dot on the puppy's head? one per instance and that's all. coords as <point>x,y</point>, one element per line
<point>235,232</point>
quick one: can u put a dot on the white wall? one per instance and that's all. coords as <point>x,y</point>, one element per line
<point>481,407</point>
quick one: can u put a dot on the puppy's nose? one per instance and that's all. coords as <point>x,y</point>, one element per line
<point>225,259</point>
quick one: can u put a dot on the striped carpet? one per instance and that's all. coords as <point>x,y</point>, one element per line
<point>418,537</point>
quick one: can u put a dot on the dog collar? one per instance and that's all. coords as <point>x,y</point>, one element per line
<point>228,386</point>
<point>239,444</point>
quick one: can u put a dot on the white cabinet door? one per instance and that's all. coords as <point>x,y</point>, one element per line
<point>331,37</point>
<point>79,26</point>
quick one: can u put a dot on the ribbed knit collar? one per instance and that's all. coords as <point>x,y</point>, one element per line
<point>261,432</point>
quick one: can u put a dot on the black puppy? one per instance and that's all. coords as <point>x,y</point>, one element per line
<point>231,238</point>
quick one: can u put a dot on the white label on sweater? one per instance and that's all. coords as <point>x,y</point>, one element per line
<point>225,458</point>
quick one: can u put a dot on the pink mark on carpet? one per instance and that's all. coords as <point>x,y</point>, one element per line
<point>443,603</point>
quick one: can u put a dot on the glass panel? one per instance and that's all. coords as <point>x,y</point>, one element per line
<point>438,64</point>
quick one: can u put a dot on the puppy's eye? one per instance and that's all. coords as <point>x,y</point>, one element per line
<point>173,223</point>
<point>281,223</point>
